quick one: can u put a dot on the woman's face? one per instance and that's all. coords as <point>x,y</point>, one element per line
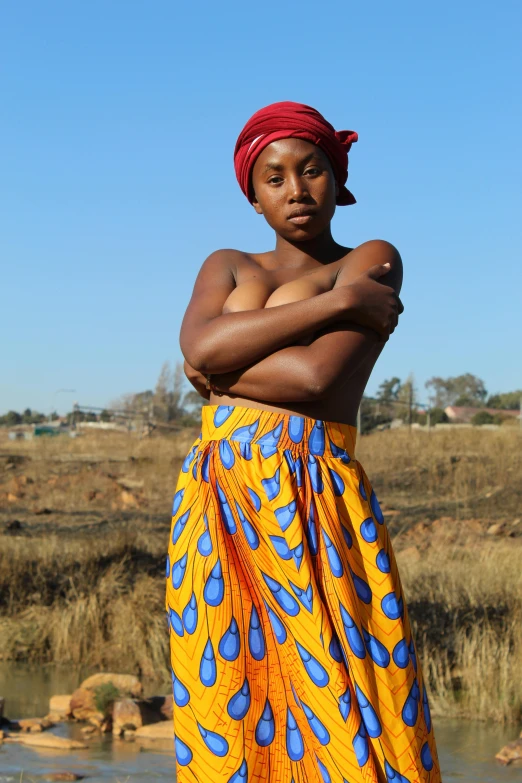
<point>294,188</point>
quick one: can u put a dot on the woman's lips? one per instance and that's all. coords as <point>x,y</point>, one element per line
<point>300,219</point>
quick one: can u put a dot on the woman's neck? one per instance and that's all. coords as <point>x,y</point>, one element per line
<point>323,249</point>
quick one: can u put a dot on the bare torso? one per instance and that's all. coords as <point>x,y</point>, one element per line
<point>260,285</point>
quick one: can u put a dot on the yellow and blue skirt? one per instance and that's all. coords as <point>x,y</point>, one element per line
<point>291,650</point>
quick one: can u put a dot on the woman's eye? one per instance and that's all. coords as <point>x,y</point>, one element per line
<point>313,170</point>
<point>275,180</point>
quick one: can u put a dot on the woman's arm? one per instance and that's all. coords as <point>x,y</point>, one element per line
<point>307,373</point>
<point>215,343</point>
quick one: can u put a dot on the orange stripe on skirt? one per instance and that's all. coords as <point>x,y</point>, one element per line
<point>291,650</point>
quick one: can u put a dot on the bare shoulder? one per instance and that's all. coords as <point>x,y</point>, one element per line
<point>220,266</point>
<point>372,253</point>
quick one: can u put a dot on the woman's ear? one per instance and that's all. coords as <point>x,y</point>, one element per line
<point>257,205</point>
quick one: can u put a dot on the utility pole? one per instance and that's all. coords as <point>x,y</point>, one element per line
<point>359,420</point>
<point>410,404</point>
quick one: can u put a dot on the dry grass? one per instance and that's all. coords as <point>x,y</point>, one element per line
<point>84,583</point>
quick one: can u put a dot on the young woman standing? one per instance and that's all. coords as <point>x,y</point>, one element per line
<point>292,654</point>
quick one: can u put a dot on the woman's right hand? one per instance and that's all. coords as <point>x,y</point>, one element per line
<point>372,303</point>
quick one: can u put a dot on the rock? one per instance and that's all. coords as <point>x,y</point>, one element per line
<point>12,498</point>
<point>128,500</point>
<point>34,724</point>
<point>510,752</point>
<point>164,730</point>
<point>125,683</point>
<point>87,730</point>
<point>106,726</point>
<point>134,713</point>
<point>46,741</point>
<point>82,705</point>
<point>167,708</point>
<point>129,734</point>
<point>64,776</point>
<point>55,717</point>
<point>39,510</point>
<point>497,529</point>
<point>13,525</point>
<point>60,704</point>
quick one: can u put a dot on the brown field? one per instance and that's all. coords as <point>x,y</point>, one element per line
<point>83,534</point>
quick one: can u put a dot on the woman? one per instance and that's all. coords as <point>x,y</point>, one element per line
<point>292,655</point>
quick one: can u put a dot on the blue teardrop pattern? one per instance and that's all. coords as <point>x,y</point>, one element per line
<point>207,666</point>
<point>362,588</point>
<point>315,724</point>
<point>382,562</point>
<point>281,547</point>
<point>345,704</point>
<point>362,490</point>
<point>347,536</point>
<point>297,554</point>
<point>311,531</point>
<point>265,729</point>
<point>179,692</point>
<point>230,643</point>
<point>245,449</point>
<point>392,608</point>
<point>336,565</point>
<point>426,709</point>
<point>226,511</point>
<point>337,483</point>
<point>376,509</point>
<point>294,739</point>
<point>299,472</point>
<point>286,514</point>
<point>426,758</point>
<point>392,776</point>
<point>190,615</point>
<point>353,635</point>
<point>183,752</point>
<point>335,650</point>
<point>179,527</point>
<point>256,640</point>
<point>290,461</point>
<point>339,453</point>
<point>314,472</point>
<point>368,714</point>
<point>413,654</point>
<point>214,741</point>
<point>277,626</point>
<point>401,654</point>
<point>222,413</point>
<point>175,622</point>
<point>324,772</point>
<point>245,434</point>
<point>195,467</point>
<point>296,428</point>
<point>314,669</point>
<point>167,567</point>
<point>282,596</point>
<point>360,745</point>
<point>369,530</point>
<point>178,571</point>
<point>226,454</point>
<point>239,703</point>
<point>214,586</point>
<point>249,531</point>
<point>241,776</point>
<point>254,497</point>
<point>188,460</point>
<point>376,650</point>
<point>272,485</point>
<point>176,503</point>
<point>410,711</point>
<point>316,442</point>
<point>305,596</point>
<point>204,541</point>
<point>268,442</point>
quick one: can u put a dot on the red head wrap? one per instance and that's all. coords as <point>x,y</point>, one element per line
<point>287,120</point>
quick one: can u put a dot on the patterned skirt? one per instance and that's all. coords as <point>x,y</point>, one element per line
<point>291,650</point>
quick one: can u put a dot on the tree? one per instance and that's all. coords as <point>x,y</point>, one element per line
<point>388,391</point>
<point>407,395</point>
<point>168,394</point>
<point>509,401</point>
<point>482,417</point>
<point>12,418</point>
<point>464,389</point>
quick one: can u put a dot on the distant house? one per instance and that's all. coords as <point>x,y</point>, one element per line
<point>464,414</point>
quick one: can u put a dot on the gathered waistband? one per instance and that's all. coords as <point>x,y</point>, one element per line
<point>277,431</point>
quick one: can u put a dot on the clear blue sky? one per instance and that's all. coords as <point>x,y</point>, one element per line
<point>118,125</point>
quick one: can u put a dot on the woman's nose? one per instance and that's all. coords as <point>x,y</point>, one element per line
<point>298,189</point>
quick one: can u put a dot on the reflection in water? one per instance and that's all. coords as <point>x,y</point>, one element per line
<point>466,749</point>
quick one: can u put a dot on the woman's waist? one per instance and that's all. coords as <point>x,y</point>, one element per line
<point>276,430</point>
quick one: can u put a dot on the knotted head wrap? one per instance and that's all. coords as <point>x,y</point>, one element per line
<point>289,120</point>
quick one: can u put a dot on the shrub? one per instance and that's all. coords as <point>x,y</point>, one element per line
<point>104,697</point>
<point>482,417</point>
